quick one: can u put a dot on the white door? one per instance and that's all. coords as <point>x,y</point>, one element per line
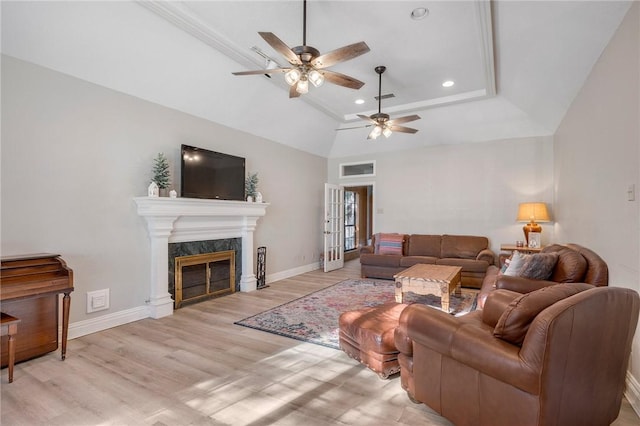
<point>333,227</point>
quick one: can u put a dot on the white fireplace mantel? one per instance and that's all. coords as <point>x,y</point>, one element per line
<point>174,220</point>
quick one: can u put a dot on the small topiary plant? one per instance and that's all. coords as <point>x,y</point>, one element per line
<point>161,175</point>
<point>251,185</point>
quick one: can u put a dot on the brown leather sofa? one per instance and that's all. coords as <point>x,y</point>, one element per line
<point>575,264</point>
<point>471,253</point>
<point>556,356</point>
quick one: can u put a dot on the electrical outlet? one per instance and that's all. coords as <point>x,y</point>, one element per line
<point>97,300</point>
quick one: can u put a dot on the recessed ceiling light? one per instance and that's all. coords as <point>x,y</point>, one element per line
<point>448,83</point>
<point>359,101</point>
<point>419,13</point>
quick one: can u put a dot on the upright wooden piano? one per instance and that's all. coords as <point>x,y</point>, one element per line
<point>29,289</point>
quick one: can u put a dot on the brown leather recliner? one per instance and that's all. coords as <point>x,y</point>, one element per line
<point>576,264</point>
<point>554,356</point>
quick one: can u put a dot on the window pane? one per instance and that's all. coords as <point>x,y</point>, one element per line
<point>350,216</point>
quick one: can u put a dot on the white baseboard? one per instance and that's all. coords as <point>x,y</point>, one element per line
<point>632,392</point>
<point>82,328</point>
<point>292,272</point>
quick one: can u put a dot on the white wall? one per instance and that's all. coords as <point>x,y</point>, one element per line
<point>471,189</point>
<point>74,154</point>
<point>597,158</point>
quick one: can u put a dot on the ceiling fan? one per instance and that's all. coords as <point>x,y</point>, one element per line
<point>381,122</point>
<point>307,65</point>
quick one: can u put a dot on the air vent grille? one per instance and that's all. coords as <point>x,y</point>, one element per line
<point>387,96</point>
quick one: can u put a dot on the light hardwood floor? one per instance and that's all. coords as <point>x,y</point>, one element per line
<point>198,368</point>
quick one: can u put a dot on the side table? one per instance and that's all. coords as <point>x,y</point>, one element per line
<point>508,249</point>
<point>512,247</point>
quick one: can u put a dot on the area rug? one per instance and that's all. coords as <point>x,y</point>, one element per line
<point>314,318</point>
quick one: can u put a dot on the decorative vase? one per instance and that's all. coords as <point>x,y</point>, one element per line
<point>173,194</point>
<point>258,197</point>
<point>249,199</point>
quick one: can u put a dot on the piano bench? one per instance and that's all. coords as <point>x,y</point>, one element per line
<point>9,327</point>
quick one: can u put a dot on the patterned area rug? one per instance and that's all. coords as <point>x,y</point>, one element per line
<point>314,318</point>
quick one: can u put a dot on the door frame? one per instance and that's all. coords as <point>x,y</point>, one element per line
<point>372,184</point>
<point>365,205</point>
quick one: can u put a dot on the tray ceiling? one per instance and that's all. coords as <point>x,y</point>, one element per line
<point>517,65</point>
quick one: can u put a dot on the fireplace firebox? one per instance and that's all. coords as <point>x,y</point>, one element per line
<point>203,276</point>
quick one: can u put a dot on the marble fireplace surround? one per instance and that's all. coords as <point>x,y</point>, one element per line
<point>176,220</point>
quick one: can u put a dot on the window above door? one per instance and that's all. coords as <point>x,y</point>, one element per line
<point>358,169</point>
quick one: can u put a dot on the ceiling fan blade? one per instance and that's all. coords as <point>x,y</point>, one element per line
<point>279,46</point>
<point>341,79</point>
<point>403,129</point>
<point>369,119</point>
<point>340,55</point>
<point>358,127</point>
<point>293,93</point>
<point>406,119</point>
<point>256,72</point>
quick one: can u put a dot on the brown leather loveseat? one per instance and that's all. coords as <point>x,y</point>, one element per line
<point>575,264</point>
<point>471,253</point>
<point>556,356</point>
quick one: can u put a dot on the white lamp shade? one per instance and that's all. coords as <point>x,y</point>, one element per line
<point>533,212</point>
<point>292,76</point>
<point>316,78</point>
<point>302,87</point>
<point>377,131</point>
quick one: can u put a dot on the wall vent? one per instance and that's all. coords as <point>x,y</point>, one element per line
<point>387,96</point>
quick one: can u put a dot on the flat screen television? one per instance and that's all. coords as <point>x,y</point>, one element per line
<point>209,174</point>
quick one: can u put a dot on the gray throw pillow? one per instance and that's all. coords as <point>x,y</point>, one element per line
<point>516,263</point>
<point>539,266</point>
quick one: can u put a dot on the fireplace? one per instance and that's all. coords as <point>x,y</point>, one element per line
<point>227,251</point>
<point>203,276</point>
<point>183,220</point>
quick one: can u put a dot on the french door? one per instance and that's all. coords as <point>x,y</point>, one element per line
<point>333,227</point>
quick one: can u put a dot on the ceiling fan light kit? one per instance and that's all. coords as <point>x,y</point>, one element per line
<point>308,65</point>
<point>316,78</point>
<point>303,86</point>
<point>380,121</point>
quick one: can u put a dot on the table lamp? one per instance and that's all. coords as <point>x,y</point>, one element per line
<point>532,213</point>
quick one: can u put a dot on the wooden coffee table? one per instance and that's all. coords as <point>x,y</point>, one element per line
<point>439,280</point>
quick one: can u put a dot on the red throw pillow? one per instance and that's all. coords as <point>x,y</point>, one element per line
<point>390,244</point>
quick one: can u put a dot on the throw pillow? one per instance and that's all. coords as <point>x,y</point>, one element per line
<point>505,265</point>
<point>539,266</point>
<point>517,261</point>
<point>572,266</point>
<point>518,316</point>
<point>390,244</point>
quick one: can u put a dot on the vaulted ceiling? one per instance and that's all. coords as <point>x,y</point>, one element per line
<point>517,65</point>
